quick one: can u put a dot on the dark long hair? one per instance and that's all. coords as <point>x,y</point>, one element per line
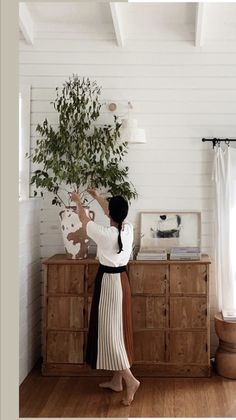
<point>118,210</point>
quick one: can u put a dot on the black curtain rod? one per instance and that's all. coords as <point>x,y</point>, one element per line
<point>218,141</point>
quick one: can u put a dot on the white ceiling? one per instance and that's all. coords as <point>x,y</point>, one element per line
<point>154,13</point>
<point>98,13</point>
<point>153,21</point>
<point>70,12</point>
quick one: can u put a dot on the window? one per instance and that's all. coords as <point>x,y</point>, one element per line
<point>24,141</point>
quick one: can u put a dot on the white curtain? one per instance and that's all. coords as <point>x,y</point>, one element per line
<point>224,176</point>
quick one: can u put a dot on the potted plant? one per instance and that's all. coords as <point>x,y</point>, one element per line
<point>77,154</point>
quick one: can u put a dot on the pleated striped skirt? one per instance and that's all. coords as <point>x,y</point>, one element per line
<point>110,337</point>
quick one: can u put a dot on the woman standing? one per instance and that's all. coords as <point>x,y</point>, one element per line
<point>110,340</point>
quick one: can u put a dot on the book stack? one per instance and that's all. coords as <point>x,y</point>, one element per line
<point>229,315</point>
<point>185,253</point>
<point>150,254</point>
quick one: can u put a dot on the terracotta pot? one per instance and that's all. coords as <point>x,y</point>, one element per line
<point>75,238</point>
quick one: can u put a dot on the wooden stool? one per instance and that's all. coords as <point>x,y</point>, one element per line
<point>226,352</point>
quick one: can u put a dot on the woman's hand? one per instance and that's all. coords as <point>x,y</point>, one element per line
<point>75,197</point>
<point>93,192</point>
<point>80,209</point>
<point>101,200</point>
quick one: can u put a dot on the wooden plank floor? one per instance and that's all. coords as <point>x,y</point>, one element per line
<point>157,397</point>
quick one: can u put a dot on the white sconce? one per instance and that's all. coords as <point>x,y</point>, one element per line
<point>130,131</point>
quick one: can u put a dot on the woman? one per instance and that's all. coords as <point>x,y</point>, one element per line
<point>110,341</point>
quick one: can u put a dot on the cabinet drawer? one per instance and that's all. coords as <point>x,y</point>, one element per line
<point>92,272</point>
<point>65,347</point>
<point>188,312</point>
<point>149,346</point>
<point>188,347</point>
<point>65,279</point>
<point>65,312</point>
<point>188,278</point>
<point>148,278</point>
<point>148,312</point>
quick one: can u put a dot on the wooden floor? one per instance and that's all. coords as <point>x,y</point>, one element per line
<point>157,397</point>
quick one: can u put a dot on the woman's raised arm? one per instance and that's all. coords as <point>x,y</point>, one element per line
<point>101,200</point>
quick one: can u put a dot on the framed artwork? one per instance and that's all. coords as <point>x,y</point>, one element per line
<point>167,229</point>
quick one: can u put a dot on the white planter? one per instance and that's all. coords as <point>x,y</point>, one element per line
<point>75,238</point>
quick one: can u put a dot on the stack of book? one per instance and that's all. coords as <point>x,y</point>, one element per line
<point>185,253</point>
<point>150,254</point>
<point>229,315</point>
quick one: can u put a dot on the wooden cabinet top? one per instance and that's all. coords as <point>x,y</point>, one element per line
<point>63,259</point>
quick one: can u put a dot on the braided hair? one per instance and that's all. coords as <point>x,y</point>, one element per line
<point>118,210</point>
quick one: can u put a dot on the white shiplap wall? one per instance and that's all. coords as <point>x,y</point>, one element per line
<point>180,94</point>
<point>30,286</point>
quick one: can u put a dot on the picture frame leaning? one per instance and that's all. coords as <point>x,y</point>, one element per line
<point>168,229</point>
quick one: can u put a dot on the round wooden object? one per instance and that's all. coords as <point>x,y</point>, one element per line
<point>112,107</point>
<point>226,352</point>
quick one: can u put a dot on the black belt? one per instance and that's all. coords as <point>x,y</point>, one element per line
<point>108,269</point>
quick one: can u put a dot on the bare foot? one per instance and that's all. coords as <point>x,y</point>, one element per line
<point>130,391</point>
<point>111,386</point>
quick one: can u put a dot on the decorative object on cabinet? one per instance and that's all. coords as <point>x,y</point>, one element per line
<point>226,352</point>
<point>170,229</point>
<point>170,309</point>
<point>185,253</point>
<point>79,153</point>
<point>75,237</point>
<point>156,254</point>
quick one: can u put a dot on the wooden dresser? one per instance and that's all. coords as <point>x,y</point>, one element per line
<point>171,323</point>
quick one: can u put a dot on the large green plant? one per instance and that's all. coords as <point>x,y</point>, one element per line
<point>80,152</point>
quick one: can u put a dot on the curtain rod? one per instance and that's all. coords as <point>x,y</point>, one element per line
<point>218,141</point>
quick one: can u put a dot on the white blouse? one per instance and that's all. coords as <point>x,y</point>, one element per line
<point>106,239</point>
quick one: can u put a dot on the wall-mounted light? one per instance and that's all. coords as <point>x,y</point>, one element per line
<point>130,131</point>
